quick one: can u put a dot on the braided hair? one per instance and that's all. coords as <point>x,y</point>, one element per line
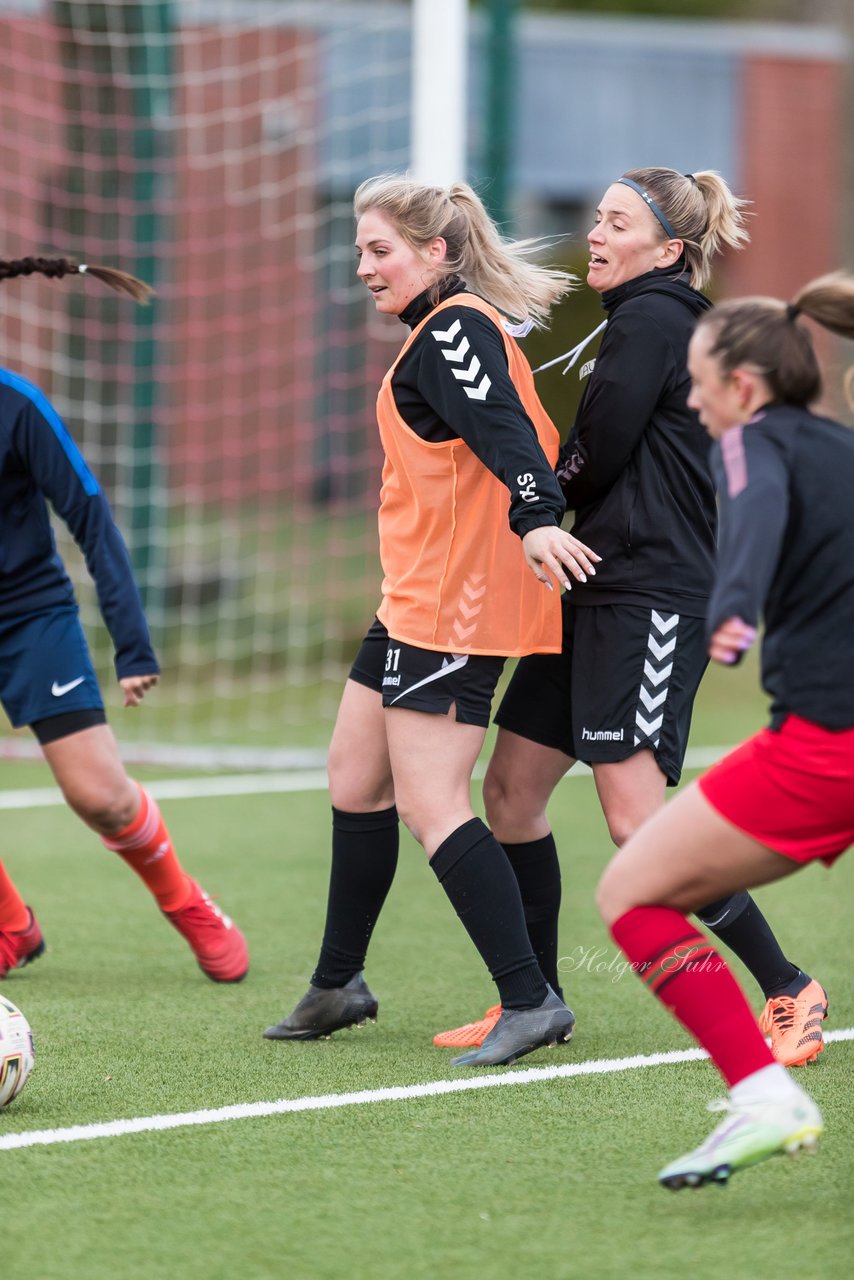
<point>56,268</point>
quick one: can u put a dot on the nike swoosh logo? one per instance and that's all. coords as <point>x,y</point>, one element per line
<point>59,689</point>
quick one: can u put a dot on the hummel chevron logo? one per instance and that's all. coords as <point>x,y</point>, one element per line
<point>661,650</point>
<point>479,392</point>
<point>469,374</point>
<point>649,727</point>
<point>649,702</point>
<point>665,624</point>
<point>469,608</point>
<point>652,694</point>
<point>461,632</point>
<point>656,677</point>
<point>456,355</point>
<point>447,335</point>
<point>59,690</point>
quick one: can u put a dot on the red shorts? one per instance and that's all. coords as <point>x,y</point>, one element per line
<point>792,790</point>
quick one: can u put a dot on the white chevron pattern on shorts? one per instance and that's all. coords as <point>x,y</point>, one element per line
<point>457,354</point>
<point>652,695</point>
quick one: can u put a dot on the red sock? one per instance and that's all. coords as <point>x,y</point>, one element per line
<point>682,968</point>
<point>146,846</point>
<point>14,915</point>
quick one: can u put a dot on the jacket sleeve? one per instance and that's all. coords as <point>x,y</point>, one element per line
<point>464,377</point>
<point>634,368</point>
<point>60,472</point>
<point>753,492</point>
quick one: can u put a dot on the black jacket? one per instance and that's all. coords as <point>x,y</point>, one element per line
<point>635,466</point>
<point>787,552</point>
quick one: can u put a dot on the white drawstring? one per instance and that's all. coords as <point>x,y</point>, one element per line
<point>520,330</point>
<point>574,353</point>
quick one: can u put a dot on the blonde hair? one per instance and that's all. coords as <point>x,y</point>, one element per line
<point>493,267</point>
<point>703,212</point>
<point>763,334</point>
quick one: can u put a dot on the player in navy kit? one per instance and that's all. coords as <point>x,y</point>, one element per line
<point>46,676</point>
<point>786,796</point>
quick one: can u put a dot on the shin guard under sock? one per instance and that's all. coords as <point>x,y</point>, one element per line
<point>146,846</point>
<point>681,967</point>
<point>537,869</point>
<point>741,926</point>
<point>364,860</point>
<point>474,871</point>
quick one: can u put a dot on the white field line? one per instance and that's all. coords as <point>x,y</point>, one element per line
<point>268,783</point>
<point>333,1101</point>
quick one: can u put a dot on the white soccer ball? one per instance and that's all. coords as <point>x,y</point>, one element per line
<point>17,1055</point>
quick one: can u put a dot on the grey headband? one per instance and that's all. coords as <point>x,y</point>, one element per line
<point>651,205</point>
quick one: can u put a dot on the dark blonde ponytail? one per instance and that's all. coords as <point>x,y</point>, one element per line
<point>764,334</point>
<point>57,268</point>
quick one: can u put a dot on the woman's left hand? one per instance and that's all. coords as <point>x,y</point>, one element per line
<point>551,549</point>
<point>134,688</point>
<point>731,641</point>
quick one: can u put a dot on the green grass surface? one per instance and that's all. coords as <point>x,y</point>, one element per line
<point>553,1178</point>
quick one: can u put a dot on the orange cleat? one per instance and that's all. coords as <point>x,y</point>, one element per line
<point>472,1035</point>
<point>19,948</point>
<point>217,943</point>
<point>794,1025</point>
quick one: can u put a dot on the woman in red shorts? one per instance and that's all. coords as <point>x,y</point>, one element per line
<point>785,797</point>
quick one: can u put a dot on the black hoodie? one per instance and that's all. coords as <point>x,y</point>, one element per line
<point>635,467</point>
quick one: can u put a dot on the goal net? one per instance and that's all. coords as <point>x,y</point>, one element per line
<point>212,148</point>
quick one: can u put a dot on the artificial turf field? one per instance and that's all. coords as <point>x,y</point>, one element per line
<point>553,1176</point>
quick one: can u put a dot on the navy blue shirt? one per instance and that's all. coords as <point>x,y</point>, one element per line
<point>786,554</point>
<point>40,463</point>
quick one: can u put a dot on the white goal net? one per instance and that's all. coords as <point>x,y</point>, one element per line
<point>212,148</point>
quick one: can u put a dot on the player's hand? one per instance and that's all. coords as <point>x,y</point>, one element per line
<point>134,688</point>
<point>551,550</point>
<point>731,641</point>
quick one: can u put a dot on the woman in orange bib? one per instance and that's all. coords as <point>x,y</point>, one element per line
<point>471,549</point>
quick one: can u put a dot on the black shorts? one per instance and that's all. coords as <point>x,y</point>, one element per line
<point>425,680</point>
<point>625,681</point>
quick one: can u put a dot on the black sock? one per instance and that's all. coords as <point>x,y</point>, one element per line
<point>474,871</point>
<point>741,926</point>
<point>364,860</point>
<point>537,869</point>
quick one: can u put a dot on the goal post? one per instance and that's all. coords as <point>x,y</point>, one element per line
<point>439,80</point>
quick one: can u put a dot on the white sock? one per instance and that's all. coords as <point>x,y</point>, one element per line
<point>769,1084</point>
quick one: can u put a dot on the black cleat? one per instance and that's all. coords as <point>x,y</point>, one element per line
<point>521,1031</point>
<point>322,1011</point>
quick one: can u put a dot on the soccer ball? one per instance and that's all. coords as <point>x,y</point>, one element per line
<point>17,1055</point>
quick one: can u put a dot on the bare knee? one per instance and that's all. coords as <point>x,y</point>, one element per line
<point>496,795</point>
<point>107,808</point>
<point>514,810</point>
<point>356,789</point>
<point>413,820</point>
<point>622,825</point>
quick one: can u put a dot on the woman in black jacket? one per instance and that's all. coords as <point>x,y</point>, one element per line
<point>786,796</point>
<point>635,471</point>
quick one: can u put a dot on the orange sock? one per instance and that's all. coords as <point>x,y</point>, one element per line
<point>146,847</point>
<point>14,915</point>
